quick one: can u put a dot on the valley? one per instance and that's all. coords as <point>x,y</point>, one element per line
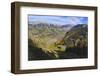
<point>51,41</point>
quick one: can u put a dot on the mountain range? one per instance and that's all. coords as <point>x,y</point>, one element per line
<point>54,40</point>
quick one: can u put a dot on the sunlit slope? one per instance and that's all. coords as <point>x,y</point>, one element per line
<point>45,36</point>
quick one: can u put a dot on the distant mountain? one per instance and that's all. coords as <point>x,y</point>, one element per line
<point>66,27</point>
<point>79,26</point>
<point>41,26</point>
<point>44,28</point>
<point>48,26</point>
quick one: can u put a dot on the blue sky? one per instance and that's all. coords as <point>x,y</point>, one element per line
<point>60,20</point>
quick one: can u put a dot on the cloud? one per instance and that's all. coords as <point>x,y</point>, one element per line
<point>60,20</point>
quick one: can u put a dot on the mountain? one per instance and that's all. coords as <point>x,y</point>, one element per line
<point>44,36</point>
<point>66,27</point>
<point>75,34</point>
<point>52,41</point>
<point>48,29</point>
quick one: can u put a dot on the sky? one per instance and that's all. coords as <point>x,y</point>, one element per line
<point>60,20</point>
